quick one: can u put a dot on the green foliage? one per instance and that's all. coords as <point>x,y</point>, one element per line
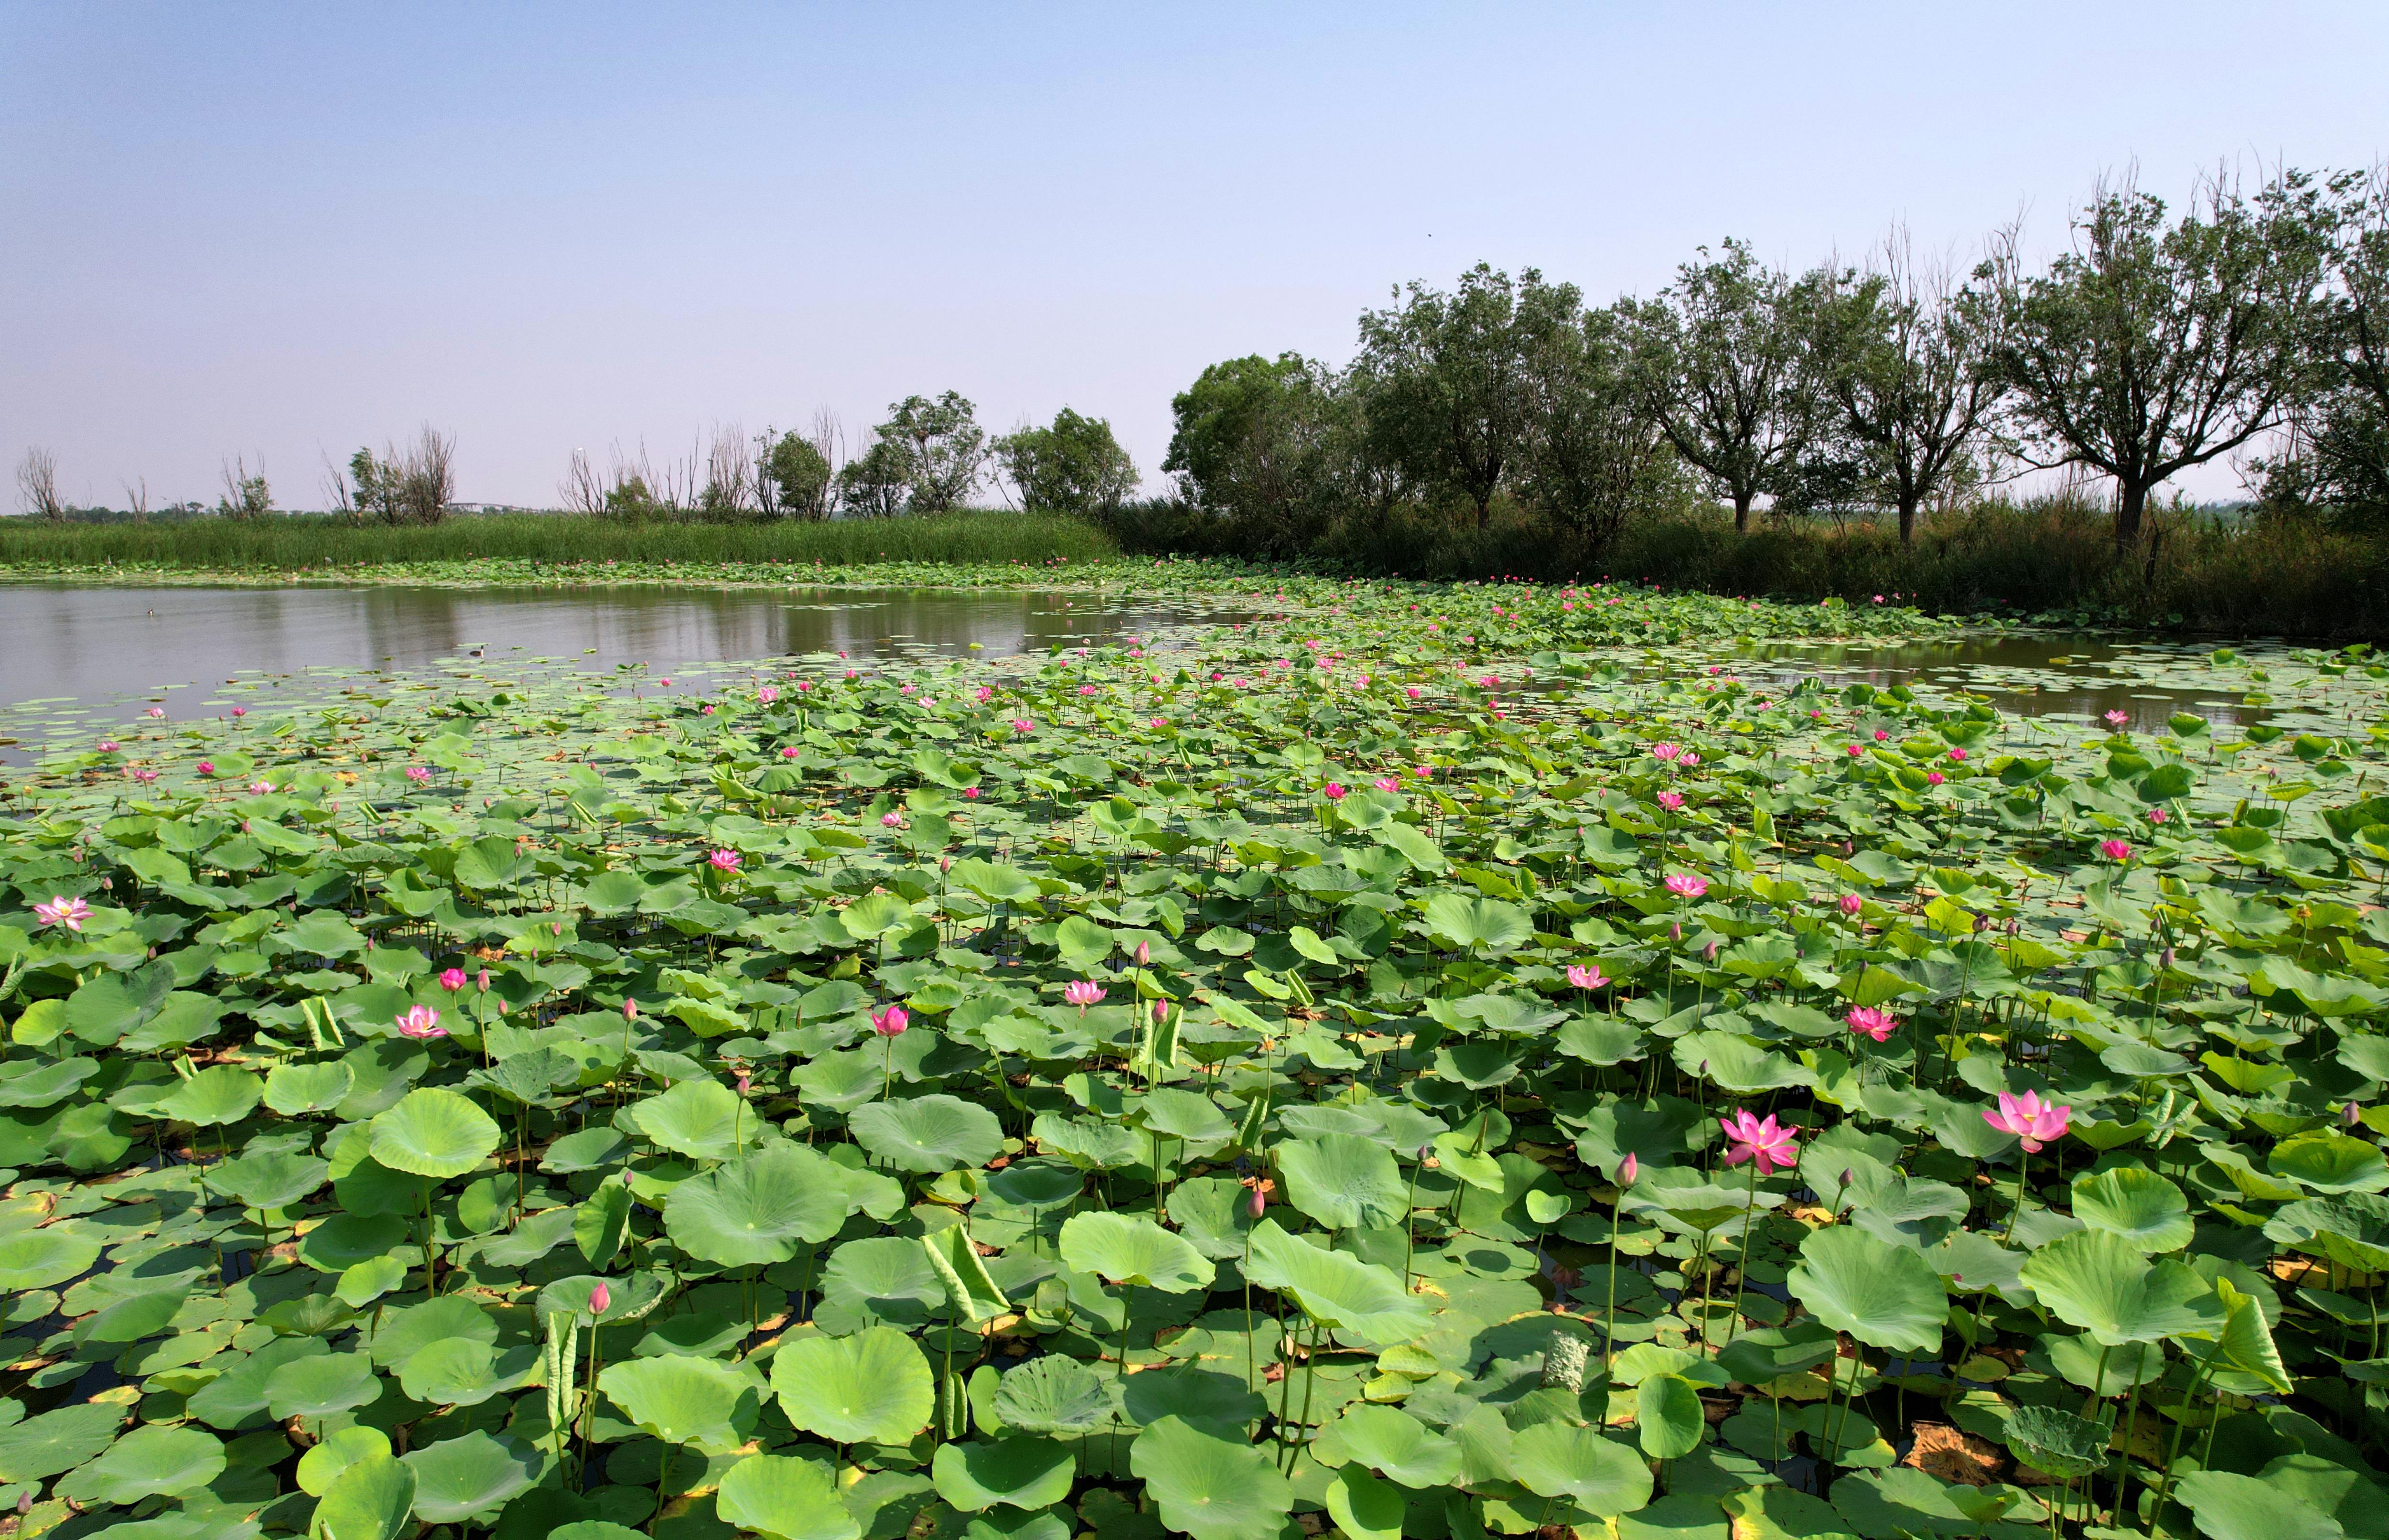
<point>1073,467</point>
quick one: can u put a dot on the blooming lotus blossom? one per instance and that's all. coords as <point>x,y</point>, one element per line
<point>1867,1022</point>
<point>891,820</point>
<point>599,1298</point>
<point>2115,850</point>
<point>1856,750</point>
<point>1387,783</point>
<point>452,979</point>
<point>1852,904</point>
<point>260,788</point>
<point>723,860</point>
<point>1022,725</point>
<point>239,711</point>
<point>1082,992</point>
<point>155,712</point>
<point>69,912</point>
<point>419,1022</point>
<point>1685,885</point>
<point>1413,691</point>
<point>2157,815</point>
<point>1334,790</point>
<point>970,793</point>
<point>1763,1141</point>
<point>983,695</point>
<point>1671,801</point>
<point>768,694</point>
<point>144,776</point>
<point>417,774</point>
<point>1159,722</point>
<point>1958,754</point>
<point>109,746</point>
<point>789,751</point>
<point>889,1022</point>
<point>2033,1121</point>
<point>1585,978</point>
<point>1932,778</point>
<point>207,767</point>
<point>1880,735</point>
<point>2117,719</point>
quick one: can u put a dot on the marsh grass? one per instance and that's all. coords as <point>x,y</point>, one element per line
<point>299,541</point>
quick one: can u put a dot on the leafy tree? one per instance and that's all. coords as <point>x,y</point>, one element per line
<point>1594,458</point>
<point>793,476</point>
<point>1725,369</point>
<point>1903,356</point>
<point>631,498</point>
<point>2337,452</point>
<point>2158,344</point>
<point>244,496</point>
<point>940,447</point>
<point>1248,444</point>
<point>875,484</point>
<point>1074,466</point>
<point>413,485</point>
<point>1441,378</point>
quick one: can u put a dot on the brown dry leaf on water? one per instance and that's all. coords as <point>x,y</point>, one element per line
<point>1953,1455</point>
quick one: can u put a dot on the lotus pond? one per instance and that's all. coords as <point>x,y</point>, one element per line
<point>1429,1062</point>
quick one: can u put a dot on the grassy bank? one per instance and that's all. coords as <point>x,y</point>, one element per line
<point>2052,559</point>
<point>297,543</point>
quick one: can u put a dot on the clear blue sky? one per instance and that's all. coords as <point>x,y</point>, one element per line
<point>280,230</point>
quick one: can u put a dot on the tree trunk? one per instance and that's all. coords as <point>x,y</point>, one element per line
<point>1484,511</point>
<point>2131,499</point>
<point>1907,521</point>
<point>1742,513</point>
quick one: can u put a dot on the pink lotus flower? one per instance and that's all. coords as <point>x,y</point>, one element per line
<point>983,695</point>
<point>2157,815</point>
<point>1856,750</point>
<point>1671,801</point>
<point>1160,1012</point>
<point>1688,759</point>
<point>665,681</point>
<point>481,981</point>
<point>2029,1119</point>
<point>207,767</point>
<point>109,746</point>
<point>1958,754</point>
<point>1869,1023</point>
<point>144,776</point>
<point>260,788</point>
<point>1424,771</point>
<point>599,1298</point>
<point>789,751</point>
<point>1387,783</point>
<point>1145,954</point>
<point>2117,719</point>
<point>1413,691</point>
<point>889,1022</point>
<point>630,1008</point>
<point>155,712</point>
<point>1932,778</point>
<point>69,912</point>
<point>421,1021</point>
<point>804,686</point>
<point>1082,992</point>
<point>1765,1142</point>
<point>239,711</point>
<point>970,793</point>
<point>1022,725</point>
<point>1880,735</point>
<point>1852,904</point>
<point>768,694</point>
<point>452,979</point>
<point>1685,885</point>
<point>1629,1168</point>
<point>723,860</point>
<point>1159,722</point>
<point>2115,850</point>
<point>1334,791</point>
<point>1585,978</point>
<point>891,820</point>
<point>417,774</point>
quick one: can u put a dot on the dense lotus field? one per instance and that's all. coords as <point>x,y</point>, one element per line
<point>1428,1062</point>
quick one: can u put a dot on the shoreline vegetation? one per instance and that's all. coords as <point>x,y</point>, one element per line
<point>2051,560</point>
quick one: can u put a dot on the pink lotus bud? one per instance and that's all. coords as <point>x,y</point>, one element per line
<point>452,979</point>
<point>889,1022</point>
<point>630,1008</point>
<point>1257,1205</point>
<point>483,980</point>
<point>1143,953</point>
<point>599,1298</point>
<point>1852,904</point>
<point>1627,1170</point>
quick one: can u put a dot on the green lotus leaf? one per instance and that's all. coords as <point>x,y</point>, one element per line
<point>2352,1500</point>
<point>757,1209</point>
<point>1207,1399</point>
<point>372,1499</point>
<point>1471,923</point>
<point>1597,1473</point>
<point>1052,1394</point>
<point>1132,1249</point>
<point>934,1132</point>
<point>1886,1296</point>
<point>458,1371</point>
<point>215,1096</point>
<point>273,1180</point>
<point>1040,1184</point>
<point>2329,1162</point>
<point>695,1401</point>
<point>2100,1282</point>
<point>1336,1289</point>
<point>237,1398</point>
<point>785,1497</point>
<point>294,1089</point>
<point>433,1132</point>
<point>44,1445</point>
<point>1345,1182</point>
<point>1394,1443</point>
<point>322,1465</point>
<point>872,1387</point>
<point>1017,1472</point>
<point>451,1318</point>
<point>2139,1205</point>
<point>2352,1229</point>
<point>701,1118</point>
<point>156,1461</point>
<point>1668,1419</point>
<point>2231,1506</point>
<point>321,1385</point>
<point>462,1478</point>
<point>1184,1115</point>
<point>346,1239</point>
<point>2056,1442</point>
<point>44,1258</point>
<point>1211,1488</point>
<point>1363,1507</point>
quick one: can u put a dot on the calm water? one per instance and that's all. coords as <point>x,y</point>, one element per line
<point>91,644</point>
